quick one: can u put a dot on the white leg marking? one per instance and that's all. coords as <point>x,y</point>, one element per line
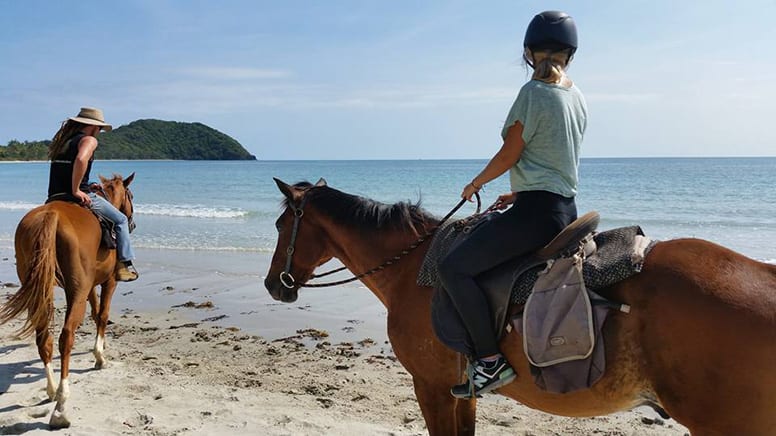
<point>51,390</point>
<point>99,349</point>
<point>59,416</point>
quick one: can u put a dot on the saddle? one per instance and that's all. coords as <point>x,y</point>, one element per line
<point>501,278</point>
<point>107,227</point>
<point>561,276</point>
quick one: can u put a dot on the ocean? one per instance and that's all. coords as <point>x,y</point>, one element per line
<point>205,230</point>
<point>232,206</point>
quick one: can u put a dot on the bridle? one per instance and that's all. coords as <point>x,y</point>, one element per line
<point>288,280</point>
<point>131,217</point>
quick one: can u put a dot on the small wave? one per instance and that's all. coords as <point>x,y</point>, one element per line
<point>183,247</point>
<point>190,211</point>
<point>17,205</point>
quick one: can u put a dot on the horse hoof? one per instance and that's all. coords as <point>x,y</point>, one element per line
<point>100,365</point>
<point>58,420</point>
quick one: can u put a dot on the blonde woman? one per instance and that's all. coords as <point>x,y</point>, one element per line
<point>71,153</point>
<point>542,136</point>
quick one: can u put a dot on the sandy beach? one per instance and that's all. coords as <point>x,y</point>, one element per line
<point>197,347</point>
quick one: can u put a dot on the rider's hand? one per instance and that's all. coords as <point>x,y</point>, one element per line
<point>504,200</point>
<point>83,198</point>
<point>468,191</point>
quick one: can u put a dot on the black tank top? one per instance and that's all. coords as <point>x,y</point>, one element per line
<point>61,170</point>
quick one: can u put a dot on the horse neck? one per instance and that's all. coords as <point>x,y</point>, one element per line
<point>114,199</point>
<point>360,252</point>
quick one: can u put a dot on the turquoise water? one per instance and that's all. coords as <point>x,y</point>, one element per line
<point>232,205</point>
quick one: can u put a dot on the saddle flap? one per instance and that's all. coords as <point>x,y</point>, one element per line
<point>108,230</point>
<point>558,318</point>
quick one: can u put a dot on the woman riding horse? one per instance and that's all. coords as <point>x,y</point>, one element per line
<point>542,137</point>
<point>59,243</point>
<point>71,153</point>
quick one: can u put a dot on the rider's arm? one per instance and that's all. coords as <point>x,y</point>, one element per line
<point>507,156</point>
<point>86,148</point>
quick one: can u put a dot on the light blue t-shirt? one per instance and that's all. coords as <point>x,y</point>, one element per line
<point>554,119</point>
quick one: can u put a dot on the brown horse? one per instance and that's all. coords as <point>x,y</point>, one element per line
<point>59,244</point>
<point>700,340</point>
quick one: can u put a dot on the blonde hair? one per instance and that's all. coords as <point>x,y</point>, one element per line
<point>62,137</point>
<point>549,65</point>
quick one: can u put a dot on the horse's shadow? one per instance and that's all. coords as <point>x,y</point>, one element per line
<point>18,373</point>
<point>23,427</point>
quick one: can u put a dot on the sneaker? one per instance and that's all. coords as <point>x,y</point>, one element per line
<point>483,377</point>
<point>126,272</point>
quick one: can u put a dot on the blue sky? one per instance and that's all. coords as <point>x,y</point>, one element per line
<point>391,79</point>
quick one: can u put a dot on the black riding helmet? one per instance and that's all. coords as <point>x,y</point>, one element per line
<point>553,30</point>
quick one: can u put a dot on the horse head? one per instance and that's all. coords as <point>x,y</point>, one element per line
<point>117,192</point>
<point>301,245</point>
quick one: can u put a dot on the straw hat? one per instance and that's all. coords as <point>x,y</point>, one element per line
<point>93,117</point>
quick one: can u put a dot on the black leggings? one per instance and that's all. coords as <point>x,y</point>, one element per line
<point>533,220</point>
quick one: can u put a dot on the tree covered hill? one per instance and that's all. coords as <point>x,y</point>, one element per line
<point>147,139</point>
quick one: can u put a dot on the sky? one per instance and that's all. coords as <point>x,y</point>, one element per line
<point>391,79</point>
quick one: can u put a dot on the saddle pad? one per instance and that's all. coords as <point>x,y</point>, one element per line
<point>444,239</point>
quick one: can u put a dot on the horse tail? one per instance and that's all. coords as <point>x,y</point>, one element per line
<point>36,294</point>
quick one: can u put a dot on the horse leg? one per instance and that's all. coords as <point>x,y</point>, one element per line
<point>466,415</point>
<point>106,294</point>
<point>94,303</point>
<point>46,351</point>
<point>76,308</point>
<point>440,410</point>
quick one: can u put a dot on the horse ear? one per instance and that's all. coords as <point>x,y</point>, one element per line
<point>320,182</point>
<point>129,179</point>
<point>287,190</point>
<point>103,180</point>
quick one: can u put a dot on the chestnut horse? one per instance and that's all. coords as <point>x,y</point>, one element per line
<point>700,339</point>
<point>59,244</point>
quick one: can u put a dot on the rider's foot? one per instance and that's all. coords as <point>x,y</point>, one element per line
<point>126,272</point>
<point>485,376</point>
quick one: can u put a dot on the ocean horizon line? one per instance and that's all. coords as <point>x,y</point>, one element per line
<point>472,159</point>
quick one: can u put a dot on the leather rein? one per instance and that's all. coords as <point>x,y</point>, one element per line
<point>289,282</point>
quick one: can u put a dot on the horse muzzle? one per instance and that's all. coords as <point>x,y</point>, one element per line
<point>280,291</point>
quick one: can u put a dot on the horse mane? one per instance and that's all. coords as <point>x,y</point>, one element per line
<point>364,213</point>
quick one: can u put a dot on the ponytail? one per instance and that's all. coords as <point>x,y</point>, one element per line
<point>549,66</point>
